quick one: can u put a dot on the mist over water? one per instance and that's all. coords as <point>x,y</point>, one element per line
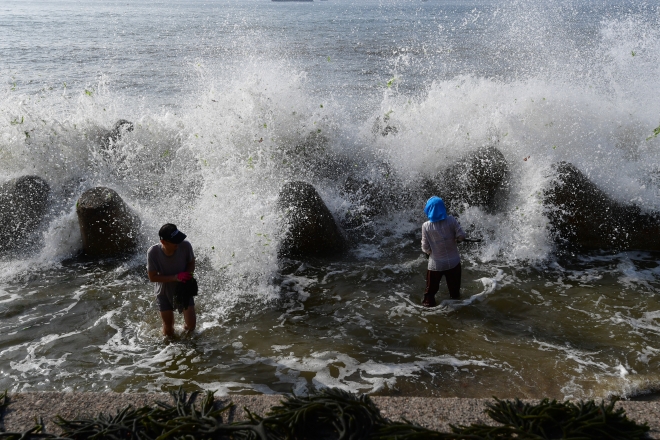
<point>231,100</point>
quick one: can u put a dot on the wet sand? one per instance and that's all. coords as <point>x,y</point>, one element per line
<point>433,413</point>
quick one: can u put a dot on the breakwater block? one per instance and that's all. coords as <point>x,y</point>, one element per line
<point>23,203</point>
<point>310,228</point>
<point>477,179</point>
<point>582,215</point>
<point>107,225</point>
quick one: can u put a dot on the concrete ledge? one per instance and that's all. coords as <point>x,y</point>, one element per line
<point>433,413</point>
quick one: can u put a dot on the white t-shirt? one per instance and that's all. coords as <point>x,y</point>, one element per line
<point>439,238</point>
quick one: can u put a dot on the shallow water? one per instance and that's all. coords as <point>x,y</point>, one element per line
<point>587,331</point>
<point>223,94</point>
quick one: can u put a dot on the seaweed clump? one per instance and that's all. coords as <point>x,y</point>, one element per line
<point>556,420</point>
<point>335,414</point>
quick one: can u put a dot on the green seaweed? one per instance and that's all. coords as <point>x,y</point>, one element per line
<point>655,134</point>
<point>336,414</point>
<point>556,420</point>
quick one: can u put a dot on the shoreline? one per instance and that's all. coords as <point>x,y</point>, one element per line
<point>430,412</point>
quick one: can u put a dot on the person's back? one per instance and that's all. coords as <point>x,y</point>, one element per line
<point>439,237</point>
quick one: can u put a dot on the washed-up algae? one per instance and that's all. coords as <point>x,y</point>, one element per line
<point>336,414</point>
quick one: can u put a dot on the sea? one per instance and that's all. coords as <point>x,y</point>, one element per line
<point>225,95</point>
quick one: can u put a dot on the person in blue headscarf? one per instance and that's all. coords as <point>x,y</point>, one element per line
<point>439,238</point>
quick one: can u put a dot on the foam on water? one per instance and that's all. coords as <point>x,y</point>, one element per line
<point>338,370</point>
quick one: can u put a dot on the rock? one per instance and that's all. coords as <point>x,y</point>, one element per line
<point>582,215</point>
<point>121,127</point>
<point>107,226</point>
<point>478,179</point>
<point>23,203</point>
<point>311,229</point>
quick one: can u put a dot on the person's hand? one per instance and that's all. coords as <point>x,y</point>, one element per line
<point>183,276</point>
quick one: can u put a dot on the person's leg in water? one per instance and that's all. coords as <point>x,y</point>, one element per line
<point>433,278</point>
<point>166,314</point>
<point>189,318</point>
<point>168,322</point>
<point>453,277</point>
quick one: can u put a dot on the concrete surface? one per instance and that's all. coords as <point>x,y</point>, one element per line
<point>433,413</point>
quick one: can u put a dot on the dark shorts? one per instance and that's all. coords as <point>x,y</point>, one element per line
<point>164,301</point>
<point>453,277</point>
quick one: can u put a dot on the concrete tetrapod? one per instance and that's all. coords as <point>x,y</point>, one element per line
<point>474,180</point>
<point>582,215</point>
<point>107,225</point>
<point>23,203</point>
<point>310,228</point>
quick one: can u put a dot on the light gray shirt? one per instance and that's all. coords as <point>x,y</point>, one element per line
<point>157,261</point>
<point>439,239</point>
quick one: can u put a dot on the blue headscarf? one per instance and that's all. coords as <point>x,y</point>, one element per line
<point>435,209</point>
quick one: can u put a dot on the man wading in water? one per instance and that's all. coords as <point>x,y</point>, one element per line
<point>439,238</point>
<point>168,263</point>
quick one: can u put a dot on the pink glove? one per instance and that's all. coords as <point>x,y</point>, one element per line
<point>183,276</point>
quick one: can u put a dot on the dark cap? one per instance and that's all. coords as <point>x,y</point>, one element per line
<point>170,233</point>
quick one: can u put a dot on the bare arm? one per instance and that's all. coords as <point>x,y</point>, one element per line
<point>155,277</point>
